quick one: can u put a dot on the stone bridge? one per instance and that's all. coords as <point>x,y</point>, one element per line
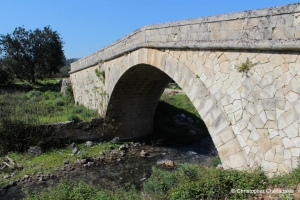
<point>253,117</point>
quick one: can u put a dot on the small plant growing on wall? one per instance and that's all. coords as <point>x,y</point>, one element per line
<point>100,74</point>
<point>245,67</point>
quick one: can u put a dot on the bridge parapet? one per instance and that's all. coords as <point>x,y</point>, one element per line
<point>276,28</point>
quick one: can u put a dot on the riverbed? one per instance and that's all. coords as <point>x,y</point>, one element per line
<point>115,171</point>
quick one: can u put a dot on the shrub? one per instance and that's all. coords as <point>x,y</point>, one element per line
<point>215,161</point>
<point>73,117</point>
<point>59,102</point>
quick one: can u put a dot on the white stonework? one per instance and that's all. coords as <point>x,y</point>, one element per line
<point>253,118</point>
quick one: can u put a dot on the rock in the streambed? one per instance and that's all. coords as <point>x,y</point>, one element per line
<point>6,176</point>
<point>75,150</point>
<point>66,162</point>
<point>35,150</point>
<point>116,140</point>
<point>71,146</point>
<point>83,161</point>
<point>89,143</point>
<point>144,153</point>
<point>64,85</point>
<point>165,163</point>
<point>123,147</point>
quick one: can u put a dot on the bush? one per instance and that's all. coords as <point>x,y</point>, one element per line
<point>199,182</point>
<point>80,191</point>
<point>58,102</point>
<point>73,117</point>
<point>215,161</point>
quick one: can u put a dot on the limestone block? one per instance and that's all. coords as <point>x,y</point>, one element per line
<point>253,96</point>
<point>219,124</point>
<point>292,96</point>
<point>206,106</point>
<point>262,58</point>
<point>287,154</point>
<point>272,133</point>
<point>229,148</point>
<point>279,150</point>
<point>295,85</point>
<point>241,141</point>
<point>263,117</point>
<point>245,134</point>
<point>271,115</point>
<point>257,122</point>
<point>217,141</point>
<point>291,57</point>
<point>254,135</point>
<point>278,72</point>
<point>296,141</point>
<point>238,161</point>
<point>280,105</point>
<point>295,152</point>
<point>269,166</point>
<point>278,158</point>
<point>250,108</point>
<point>264,82</point>
<point>291,131</point>
<point>225,67</point>
<point>271,90</point>
<point>264,144</point>
<point>287,142</point>
<point>276,60</point>
<point>295,162</point>
<point>270,124</point>
<point>241,124</point>
<point>226,135</point>
<point>294,68</point>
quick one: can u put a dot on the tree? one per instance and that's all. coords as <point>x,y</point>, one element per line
<point>32,54</point>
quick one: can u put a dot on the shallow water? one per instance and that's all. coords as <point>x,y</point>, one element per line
<point>130,169</point>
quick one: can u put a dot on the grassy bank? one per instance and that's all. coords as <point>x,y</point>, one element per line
<point>24,109</point>
<point>187,182</point>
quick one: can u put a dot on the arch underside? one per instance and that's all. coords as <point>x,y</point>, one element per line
<point>134,100</point>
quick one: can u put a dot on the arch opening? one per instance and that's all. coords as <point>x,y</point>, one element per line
<point>137,110</point>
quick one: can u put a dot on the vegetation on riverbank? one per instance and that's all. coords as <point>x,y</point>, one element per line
<point>49,160</point>
<point>186,182</point>
<point>24,109</point>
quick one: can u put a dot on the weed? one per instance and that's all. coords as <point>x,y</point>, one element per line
<point>245,66</point>
<point>100,74</point>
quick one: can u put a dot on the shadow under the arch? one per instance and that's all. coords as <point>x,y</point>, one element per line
<point>177,127</point>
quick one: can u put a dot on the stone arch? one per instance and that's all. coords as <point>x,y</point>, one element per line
<point>161,66</point>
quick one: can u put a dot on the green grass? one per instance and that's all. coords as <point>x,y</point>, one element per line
<point>49,160</point>
<point>43,104</point>
<point>187,182</point>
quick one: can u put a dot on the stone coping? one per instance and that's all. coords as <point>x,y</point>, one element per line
<point>151,36</point>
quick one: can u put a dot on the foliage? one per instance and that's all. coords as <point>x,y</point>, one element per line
<point>80,191</point>
<point>215,161</point>
<point>290,179</point>
<point>23,116</point>
<point>100,74</point>
<point>50,159</point>
<point>245,66</point>
<point>32,54</point>
<point>199,182</point>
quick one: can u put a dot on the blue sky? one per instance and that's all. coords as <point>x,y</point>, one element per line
<point>88,25</point>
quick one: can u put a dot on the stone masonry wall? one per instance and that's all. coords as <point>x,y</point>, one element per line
<point>253,121</point>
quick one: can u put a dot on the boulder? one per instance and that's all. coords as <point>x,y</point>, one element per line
<point>165,163</point>
<point>35,150</point>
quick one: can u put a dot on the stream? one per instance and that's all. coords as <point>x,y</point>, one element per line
<point>131,168</point>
